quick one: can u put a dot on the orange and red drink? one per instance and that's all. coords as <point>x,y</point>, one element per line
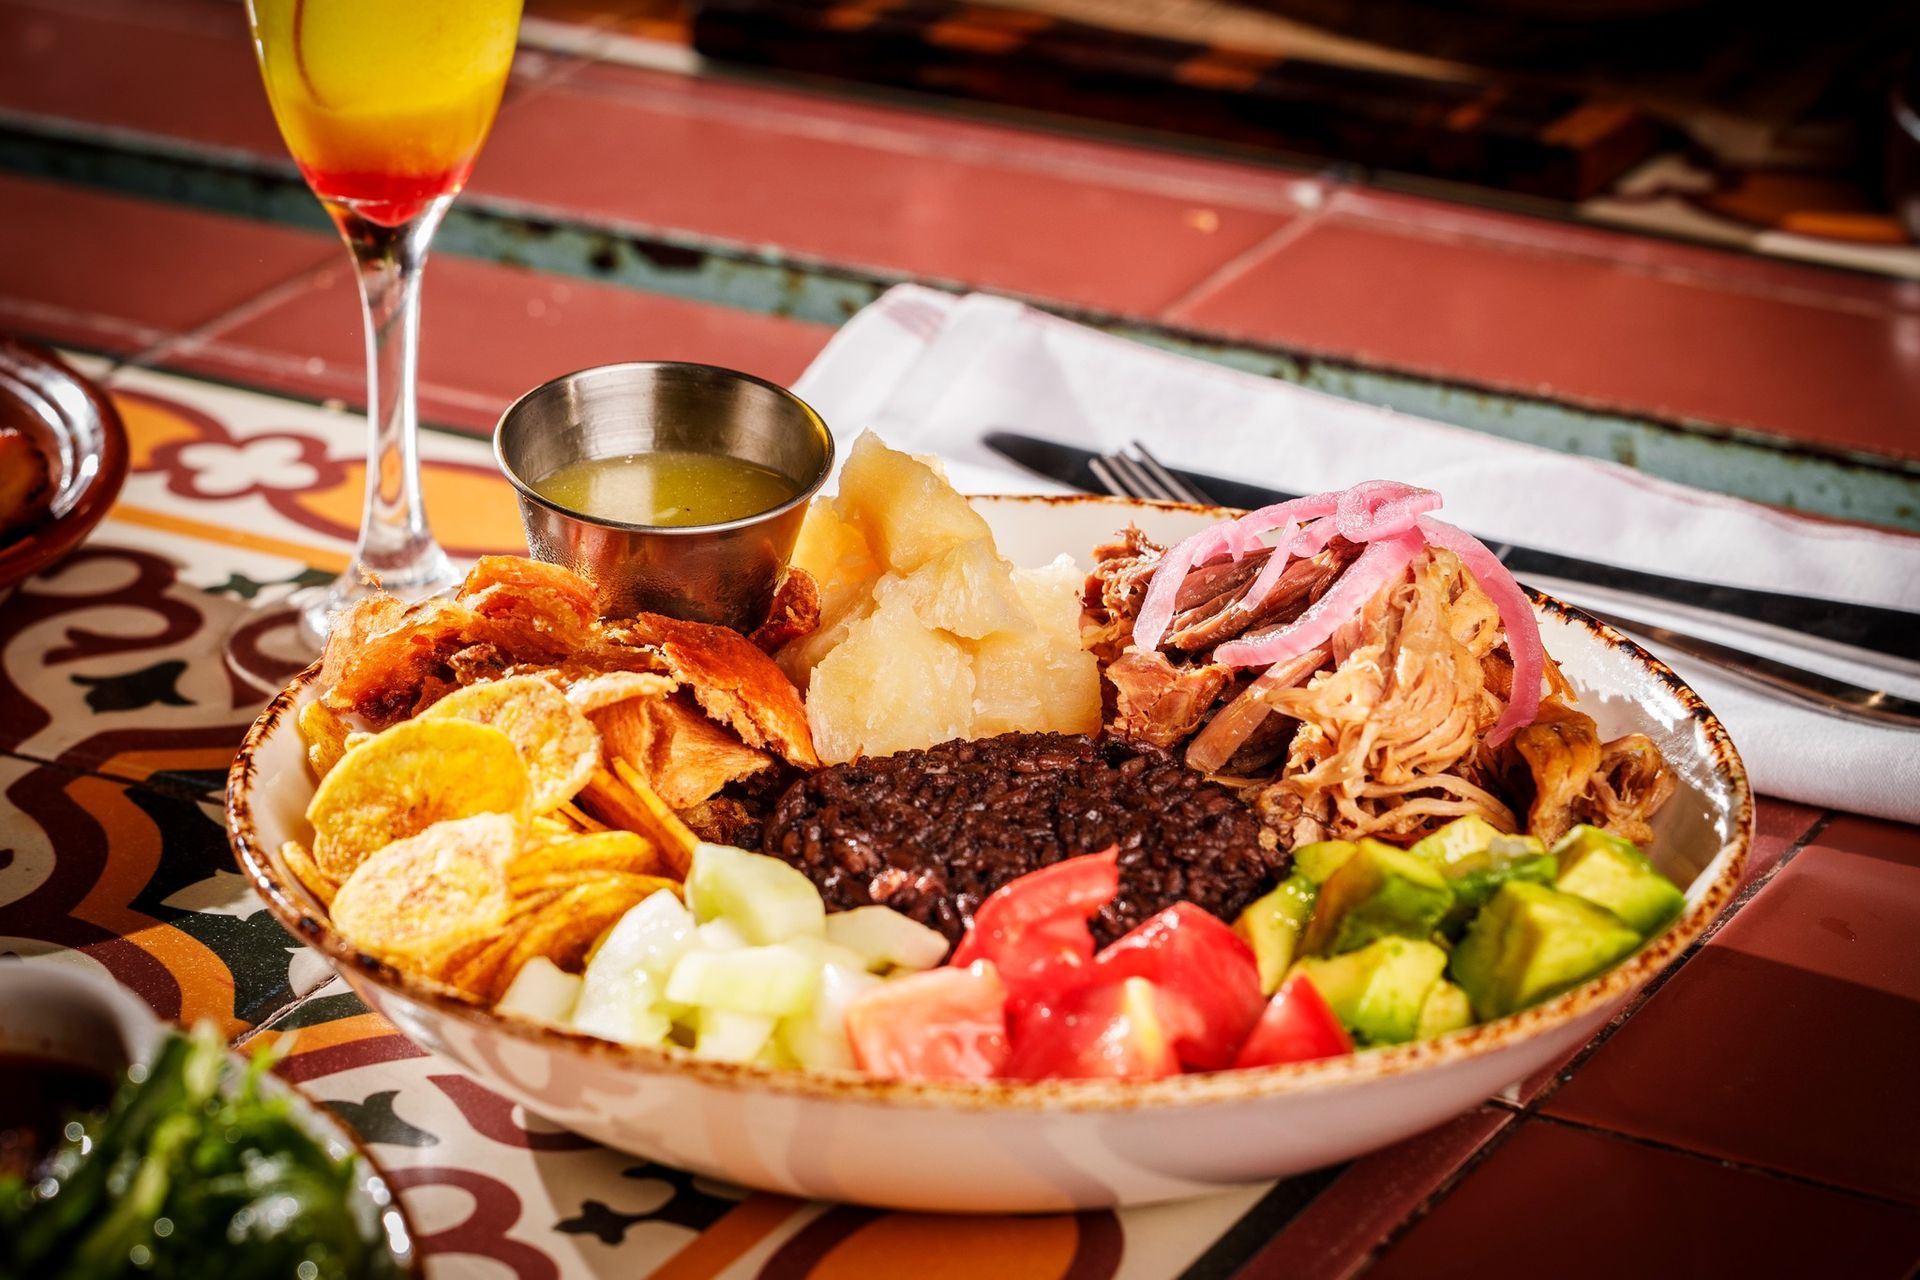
<point>384,103</point>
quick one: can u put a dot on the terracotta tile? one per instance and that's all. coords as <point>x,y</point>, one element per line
<point>117,274</point>
<point>1779,825</point>
<point>887,190</point>
<point>1332,1235</point>
<point>490,333</point>
<point>1873,838</point>
<point>1830,370</point>
<point>182,68</point>
<point>1754,273</point>
<point>1568,1203</point>
<point>1846,915</point>
<point>1753,1059</point>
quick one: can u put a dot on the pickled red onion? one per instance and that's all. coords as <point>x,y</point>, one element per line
<point>1378,565</point>
<point>1236,537</point>
<point>1304,541</point>
<point>1379,509</point>
<point>1244,532</point>
<point>1516,616</point>
<point>1156,611</point>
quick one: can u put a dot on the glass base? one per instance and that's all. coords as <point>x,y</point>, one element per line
<point>280,636</point>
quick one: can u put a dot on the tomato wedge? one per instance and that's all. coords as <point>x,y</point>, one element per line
<point>1034,929</point>
<point>1109,1031</point>
<point>1297,1027</point>
<point>942,1024</point>
<point>1205,977</point>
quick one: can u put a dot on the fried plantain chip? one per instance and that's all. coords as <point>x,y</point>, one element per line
<point>420,897</point>
<point>558,743</point>
<point>406,779</point>
<point>308,872</point>
<point>326,733</point>
<point>601,851</point>
<point>476,968</point>
<point>605,880</point>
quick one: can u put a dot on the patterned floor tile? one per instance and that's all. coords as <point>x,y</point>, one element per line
<point>141,884</point>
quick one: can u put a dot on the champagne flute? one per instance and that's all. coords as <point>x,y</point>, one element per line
<point>384,105</point>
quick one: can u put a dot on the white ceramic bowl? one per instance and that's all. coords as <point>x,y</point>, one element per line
<point>1014,1147</point>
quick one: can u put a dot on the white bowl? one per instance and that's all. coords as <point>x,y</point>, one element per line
<point>1018,1147</point>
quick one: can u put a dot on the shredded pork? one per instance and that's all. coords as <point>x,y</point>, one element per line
<point>1381,731</point>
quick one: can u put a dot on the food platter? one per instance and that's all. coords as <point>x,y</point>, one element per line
<point>1032,1146</point>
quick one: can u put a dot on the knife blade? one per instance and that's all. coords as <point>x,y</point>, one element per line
<point>1892,632</point>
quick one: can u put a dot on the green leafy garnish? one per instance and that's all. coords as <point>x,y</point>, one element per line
<point>192,1172</point>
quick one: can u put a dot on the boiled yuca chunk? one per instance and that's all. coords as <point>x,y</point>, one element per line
<point>1038,679</point>
<point>967,590</point>
<point>905,508</point>
<point>926,632</point>
<point>893,683</point>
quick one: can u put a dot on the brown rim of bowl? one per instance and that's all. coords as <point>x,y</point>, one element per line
<point>47,543</point>
<point>1204,1088</point>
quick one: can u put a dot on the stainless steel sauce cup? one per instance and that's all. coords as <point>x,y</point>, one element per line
<point>722,573</point>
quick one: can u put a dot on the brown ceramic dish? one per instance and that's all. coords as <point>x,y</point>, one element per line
<point>78,430</point>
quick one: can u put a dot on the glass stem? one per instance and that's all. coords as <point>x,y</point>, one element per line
<point>396,549</point>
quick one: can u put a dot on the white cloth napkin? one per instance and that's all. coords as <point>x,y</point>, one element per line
<point>934,373</point>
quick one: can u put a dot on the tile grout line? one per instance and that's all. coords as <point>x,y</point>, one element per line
<point>1243,262</point>
<point>1522,1114</point>
<point>1743,1166</point>
<point>208,331</point>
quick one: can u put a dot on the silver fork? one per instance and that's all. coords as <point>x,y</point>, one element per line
<point>1134,472</point>
<point>1139,475</point>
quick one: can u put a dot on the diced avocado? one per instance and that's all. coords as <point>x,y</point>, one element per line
<point>1459,841</point>
<point>1378,992</point>
<point>1446,1009</point>
<point>1471,889</point>
<point>1530,942</point>
<point>1318,860</point>
<point>1602,868</point>
<point>1378,892</point>
<point>1271,924</point>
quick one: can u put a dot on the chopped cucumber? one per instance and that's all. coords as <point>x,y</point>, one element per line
<point>817,1038</point>
<point>825,952</point>
<point>887,939</point>
<point>771,981</point>
<point>730,1037</point>
<point>622,1005</point>
<point>541,991</point>
<point>718,935</point>
<point>652,936</point>
<point>764,898</point>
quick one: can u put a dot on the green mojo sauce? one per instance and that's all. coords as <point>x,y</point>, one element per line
<point>670,487</point>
